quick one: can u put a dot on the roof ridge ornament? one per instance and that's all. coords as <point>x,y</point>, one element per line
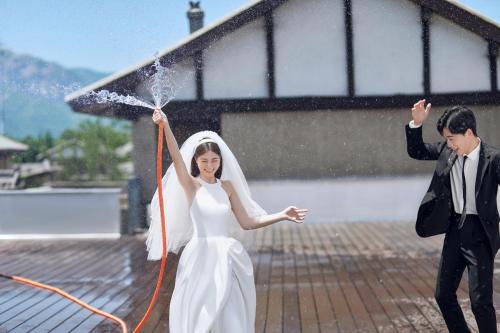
<point>194,4</point>
<point>195,15</point>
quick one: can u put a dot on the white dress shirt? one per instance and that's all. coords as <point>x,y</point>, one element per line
<point>471,165</point>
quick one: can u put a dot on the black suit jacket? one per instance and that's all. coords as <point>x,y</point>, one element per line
<point>437,206</point>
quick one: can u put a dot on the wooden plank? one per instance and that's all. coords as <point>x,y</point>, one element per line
<point>274,319</point>
<point>17,256</point>
<point>139,295</point>
<point>307,306</point>
<point>407,293</point>
<point>393,319</point>
<point>291,313</point>
<point>141,303</point>
<point>373,307</point>
<point>426,267</point>
<point>324,309</point>
<point>350,284</point>
<point>262,279</point>
<point>360,277</point>
<point>35,268</point>
<point>116,296</point>
<point>159,319</point>
<point>345,319</point>
<point>93,288</point>
<point>27,296</point>
<point>418,276</point>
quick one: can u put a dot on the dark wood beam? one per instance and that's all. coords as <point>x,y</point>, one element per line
<point>208,109</point>
<point>198,68</point>
<point>269,23</point>
<point>349,47</point>
<point>493,56</point>
<point>216,107</point>
<point>425,17</point>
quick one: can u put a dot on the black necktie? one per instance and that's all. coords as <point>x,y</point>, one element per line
<point>464,193</point>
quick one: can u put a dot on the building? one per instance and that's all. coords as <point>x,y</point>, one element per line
<point>9,174</point>
<point>319,88</point>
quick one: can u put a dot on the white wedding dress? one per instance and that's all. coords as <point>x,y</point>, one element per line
<point>214,287</point>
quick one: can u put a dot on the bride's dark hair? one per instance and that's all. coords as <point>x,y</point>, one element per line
<point>202,149</point>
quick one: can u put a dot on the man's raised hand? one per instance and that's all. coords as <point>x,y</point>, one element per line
<point>420,112</point>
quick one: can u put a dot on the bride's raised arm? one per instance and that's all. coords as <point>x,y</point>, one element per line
<point>248,222</point>
<point>185,178</point>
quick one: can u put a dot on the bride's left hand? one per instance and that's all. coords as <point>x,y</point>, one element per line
<point>295,214</point>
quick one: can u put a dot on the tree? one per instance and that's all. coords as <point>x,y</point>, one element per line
<point>89,152</point>
<point>37,148</point>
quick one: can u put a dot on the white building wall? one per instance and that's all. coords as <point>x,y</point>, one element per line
<point>184,80</point>
<point>236,65</point>
<point>181,82</point>
<point>459,58</point>
<point>310,58</point>
<point>387,46</point>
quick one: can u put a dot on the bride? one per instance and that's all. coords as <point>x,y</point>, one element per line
<point>214,287</point>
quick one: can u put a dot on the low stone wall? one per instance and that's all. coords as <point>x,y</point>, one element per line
<point>60,213</point>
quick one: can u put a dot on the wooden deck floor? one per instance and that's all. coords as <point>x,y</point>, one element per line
<point>358,277</point>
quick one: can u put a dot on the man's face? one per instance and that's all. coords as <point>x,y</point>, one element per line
<point>459,143</point>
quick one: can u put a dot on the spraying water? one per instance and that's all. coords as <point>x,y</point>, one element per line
<point>155,92</point>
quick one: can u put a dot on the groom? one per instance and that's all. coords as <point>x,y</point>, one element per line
<point>461,202</point>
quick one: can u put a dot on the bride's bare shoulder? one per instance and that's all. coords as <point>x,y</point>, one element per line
<point>227,186</point>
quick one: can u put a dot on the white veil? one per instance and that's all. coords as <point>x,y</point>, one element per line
<point>179,228</point>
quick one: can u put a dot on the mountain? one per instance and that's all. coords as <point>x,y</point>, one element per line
<point>32,94</point>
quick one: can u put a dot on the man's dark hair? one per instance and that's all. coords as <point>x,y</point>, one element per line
<point>457,119</point>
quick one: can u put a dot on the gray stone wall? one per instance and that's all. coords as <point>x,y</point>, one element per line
<point>335,143</point>
<point>144,138</point>
<point>311,144</point>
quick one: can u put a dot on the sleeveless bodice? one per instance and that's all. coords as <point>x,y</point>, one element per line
<point>210,211</point>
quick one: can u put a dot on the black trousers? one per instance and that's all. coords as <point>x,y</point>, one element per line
<point>467,247</point>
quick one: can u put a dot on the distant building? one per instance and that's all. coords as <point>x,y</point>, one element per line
<point>9,175</point>
<point>37,173</point>
<point>319,88</point>
<point>8,148</point>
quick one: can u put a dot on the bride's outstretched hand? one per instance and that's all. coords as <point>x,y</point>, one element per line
<point>159,116</point>
<point>295,214</point>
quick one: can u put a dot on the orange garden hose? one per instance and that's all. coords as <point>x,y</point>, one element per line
<point>159,172</point>
<point>68,296</point>
<point>106,315</point>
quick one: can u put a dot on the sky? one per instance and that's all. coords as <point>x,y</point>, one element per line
<point>110,35</point>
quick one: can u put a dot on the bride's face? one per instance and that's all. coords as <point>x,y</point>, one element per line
<point>208,164</point>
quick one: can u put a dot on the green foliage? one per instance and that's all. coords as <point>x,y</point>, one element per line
<point>89,152</point>
<point>37,148</point>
